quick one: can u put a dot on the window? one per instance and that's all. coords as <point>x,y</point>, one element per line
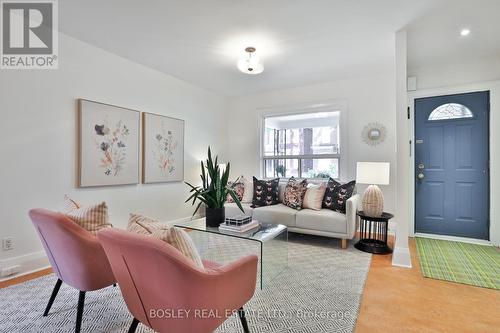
<point>302,145</point>
<point>450,111</point>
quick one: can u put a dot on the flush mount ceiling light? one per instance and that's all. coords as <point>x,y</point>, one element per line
<point>465,32</point>
<point>250,64</point>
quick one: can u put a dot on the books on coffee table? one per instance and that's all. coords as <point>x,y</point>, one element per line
<point>238,220</point>
<point>239,228</point>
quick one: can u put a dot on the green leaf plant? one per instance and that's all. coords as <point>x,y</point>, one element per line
<point>214,189</point>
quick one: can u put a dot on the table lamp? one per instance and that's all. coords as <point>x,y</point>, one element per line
<point>373,173</point>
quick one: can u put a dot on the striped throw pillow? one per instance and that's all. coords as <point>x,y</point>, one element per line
<point>143,225</point>
<point>92,218</point>
<point>175,237</point>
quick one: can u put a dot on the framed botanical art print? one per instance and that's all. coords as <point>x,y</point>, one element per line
<point>108,144</point>
<point>163,149</point>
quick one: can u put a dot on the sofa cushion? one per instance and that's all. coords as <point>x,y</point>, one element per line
<point>322,220</point>
<point>238,187</point>
<point>277,214</point>
<point>336,195</point>
<point>281,192</point>
<point>294,193</point>
<point>232,209</point>
<point>248,190</point>
<point>265,192</point>
<point>313,199</point>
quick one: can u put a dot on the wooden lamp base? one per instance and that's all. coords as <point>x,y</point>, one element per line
<point>373,201</point>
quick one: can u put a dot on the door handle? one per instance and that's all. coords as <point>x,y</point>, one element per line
<point>420,176</point>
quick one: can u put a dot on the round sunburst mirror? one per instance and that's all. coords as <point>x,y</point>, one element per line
<point>374,134</point>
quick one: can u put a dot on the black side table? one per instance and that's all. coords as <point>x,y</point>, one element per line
<point>373,233</point>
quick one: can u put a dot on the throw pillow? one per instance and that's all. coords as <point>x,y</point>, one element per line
<point>313,199</point>
<point>239,188</point>
<point>265,192</point>
<point>144,225</point>
<point>175,237</point>
<point>92,218</point>
<point>248,190</point>
<point>294,193</point>
<point>336,195</point>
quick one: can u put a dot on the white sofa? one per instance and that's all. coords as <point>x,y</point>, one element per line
<point>324,222</point>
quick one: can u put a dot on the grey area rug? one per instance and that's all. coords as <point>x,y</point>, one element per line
<point>320,291</point>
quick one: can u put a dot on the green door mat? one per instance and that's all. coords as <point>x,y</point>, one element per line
<point>477,265</point>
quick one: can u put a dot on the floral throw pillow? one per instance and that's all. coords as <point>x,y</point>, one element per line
<point>239,188</point>
<point>265,192</point>
<point>294,193</point>
<point>336,195</point>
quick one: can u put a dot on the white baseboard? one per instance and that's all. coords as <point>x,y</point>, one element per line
<point>401,257</point>
<point>28,263</point>
<point>37,261</point>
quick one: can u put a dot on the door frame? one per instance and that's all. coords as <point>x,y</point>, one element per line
<point>435,92</point>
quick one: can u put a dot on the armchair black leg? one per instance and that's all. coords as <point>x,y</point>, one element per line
<point>133,327</point>
<point>79,311</point>
<point>52,297</point>
<point>243,318</point>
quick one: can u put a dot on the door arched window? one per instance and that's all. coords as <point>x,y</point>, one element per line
<point>450,111</point>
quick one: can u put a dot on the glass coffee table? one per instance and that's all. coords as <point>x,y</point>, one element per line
<point>268,241</point>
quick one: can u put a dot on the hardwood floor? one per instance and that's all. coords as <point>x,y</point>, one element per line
<point>25,278</point>
<point>402,300</point>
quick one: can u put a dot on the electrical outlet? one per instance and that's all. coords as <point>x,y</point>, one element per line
<point>8,243</point>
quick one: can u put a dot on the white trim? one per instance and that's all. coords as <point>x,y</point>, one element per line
<point>30,262</point>
<point>401,257</point>
<point>454,238</point>
<point>340,105</point>
<point>432,92</point>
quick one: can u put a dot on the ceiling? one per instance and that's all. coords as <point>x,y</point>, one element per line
<point>434,38</point>
<point>300,41</point>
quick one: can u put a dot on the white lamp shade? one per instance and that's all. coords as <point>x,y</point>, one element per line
<point>373,173</point>
<point>250,65</point>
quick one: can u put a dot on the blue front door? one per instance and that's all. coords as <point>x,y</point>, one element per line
<point>452,165</point>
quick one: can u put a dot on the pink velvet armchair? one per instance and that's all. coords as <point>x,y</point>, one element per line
<point>165,291</point>
<point>76,256</point>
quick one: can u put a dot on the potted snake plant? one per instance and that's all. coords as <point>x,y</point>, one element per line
<point>213,192</point>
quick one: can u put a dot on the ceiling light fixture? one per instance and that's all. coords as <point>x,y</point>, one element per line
<point>250,64</point>
<point>465,32</point>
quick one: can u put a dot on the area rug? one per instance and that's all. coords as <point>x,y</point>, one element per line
<point>320,291</point>
<point>477,265</point>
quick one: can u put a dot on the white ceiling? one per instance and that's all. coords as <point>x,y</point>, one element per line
<point>434,39</point>
<point>300,41</point>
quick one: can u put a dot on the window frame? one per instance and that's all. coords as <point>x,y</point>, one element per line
<point>329,106</point>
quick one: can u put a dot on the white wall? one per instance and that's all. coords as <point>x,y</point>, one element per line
<point>471,76</point>
<point>368,99</point>
<point>457,72</point>
<point>38,139</point>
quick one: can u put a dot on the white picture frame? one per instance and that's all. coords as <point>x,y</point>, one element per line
<point>162,149</point>
<point>108,144</point>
